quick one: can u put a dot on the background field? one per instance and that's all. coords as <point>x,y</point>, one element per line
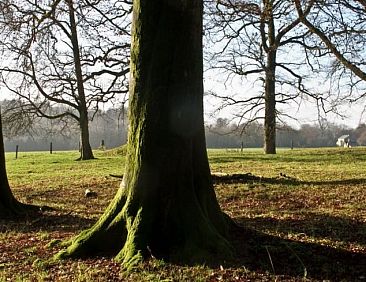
<point>304,213</point>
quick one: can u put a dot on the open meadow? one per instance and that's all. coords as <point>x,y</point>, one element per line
<point>303,214</point>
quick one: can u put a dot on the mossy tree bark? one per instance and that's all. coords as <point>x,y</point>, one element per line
<point>166,205</point>
<point>9,206</point>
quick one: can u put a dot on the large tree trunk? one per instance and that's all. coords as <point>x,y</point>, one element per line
<point>166,205</point>
<point>270,85</point>
<point>9,206</point>
<point>86,151</point>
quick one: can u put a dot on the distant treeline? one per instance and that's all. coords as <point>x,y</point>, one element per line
<point>222,134</point>
<point>110,127</point>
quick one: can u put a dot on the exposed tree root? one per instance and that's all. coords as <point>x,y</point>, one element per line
<point>133,234</point>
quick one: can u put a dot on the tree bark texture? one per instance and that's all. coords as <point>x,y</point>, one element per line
<point>270,105</point>
<point>166,206</point>
<point>7,200</point>
<point>9,206</point>
<point>270,85</point>
<point>86,152</point>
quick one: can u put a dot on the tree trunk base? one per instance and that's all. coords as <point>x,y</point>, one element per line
<point>129,238</point>
<point>17,209</point>
<point>85,159</point>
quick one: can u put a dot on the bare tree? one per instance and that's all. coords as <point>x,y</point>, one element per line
<point>16,121</point>
<point>74,53</point>
<point>340,28</point>
<point>263,39</point>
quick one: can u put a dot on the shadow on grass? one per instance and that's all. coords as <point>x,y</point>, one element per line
<point>255,250</point>
<point>281,179</point>
<point>265,158</point>
<point>46,221</point>
<point>294,157</point>
<point>258,251</point>
<point>318,226</point>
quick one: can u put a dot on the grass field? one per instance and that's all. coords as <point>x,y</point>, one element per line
<point>303,212</point>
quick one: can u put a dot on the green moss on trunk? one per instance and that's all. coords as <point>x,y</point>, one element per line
<point>166,206</point>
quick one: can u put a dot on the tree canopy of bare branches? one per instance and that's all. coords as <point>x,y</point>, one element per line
<point>74,53</point>
<point>340,28</point>
<point>265,42</point>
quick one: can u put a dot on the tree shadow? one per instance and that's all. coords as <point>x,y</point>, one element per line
<point>265,158</point>
<point>258,251</point>
<point>341,154</point>
<point>319,226</point>
<point>255,250</point>
<point>281,179</point>
<point>49,221</point>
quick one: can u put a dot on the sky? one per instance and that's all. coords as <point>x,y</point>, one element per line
<point>305,112</point>
<point>350,115</point>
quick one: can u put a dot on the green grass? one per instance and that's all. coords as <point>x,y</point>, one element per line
<point>60,167</point>
<point>304,213</point>
<point>58,180</point>
<point>309,164</point>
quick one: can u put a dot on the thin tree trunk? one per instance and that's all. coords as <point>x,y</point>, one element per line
<point>86,151</point>
<point>270,106</point>
<point>166,205</point>
<point>270,86</point>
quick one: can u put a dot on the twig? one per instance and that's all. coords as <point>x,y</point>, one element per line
<point>301,262</point>
<point>270,259</point>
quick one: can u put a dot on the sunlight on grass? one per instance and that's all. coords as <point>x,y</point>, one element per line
<point>300,198</point>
